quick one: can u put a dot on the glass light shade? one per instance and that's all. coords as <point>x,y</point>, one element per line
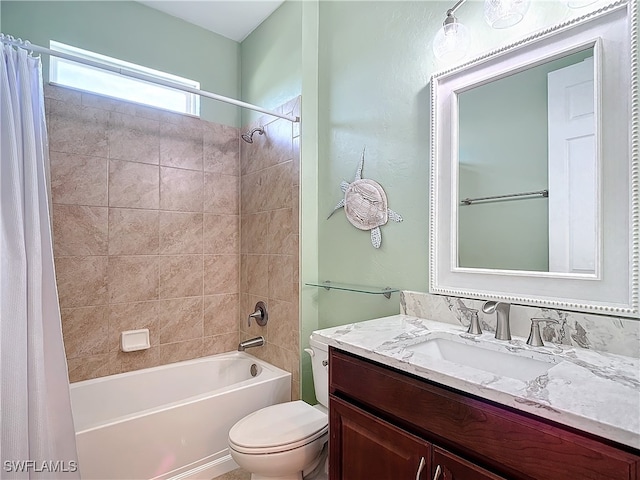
<point>504,13</point>
<point>452,42</point>
<point>578,3</point>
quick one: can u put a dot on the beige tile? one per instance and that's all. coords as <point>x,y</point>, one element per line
<point>295,165</point>
<point>64,94</point>
<point>226,342</point>
<point>283,325</point>
<point>272,148</point>
<point>221,149</point>
<point>133,231</point>
<point>279,231</point>
<point>254,233</point>
<point>278,146</point>
<point>86,368</point>
<point>278,184</point>
<point>186,120</point>
<point>221,193</point>
<point>180,351</point>
<point>85,330</point>
<point>295,209</point>
<point>133,316</point>
<point>180,190</point>
<point>281,277</point>
<point>180,232</point>
<point>221,314</point>
<point>221,234</point>
<point>79,179</point>
<point>295,248</point>
<point>133,279</point>
<point>252,155</point>
<point>221,274</point>
<point>181,146</point>
<point>103,102</point>
<point>133,138</point>
<point>122,362</point>
<point>78,129</point>
<point>253,187</point>
<point>82,281</point>
<point>255,275</point>
<point>284,359</point>
<point>295,390</point>
<point>146,111</point>
<point>181,276</point>
<point>79,230</point>
<point>180,319</point>
<point>133,185</point>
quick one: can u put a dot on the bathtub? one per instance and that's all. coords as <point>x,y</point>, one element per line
<point>172,421</point>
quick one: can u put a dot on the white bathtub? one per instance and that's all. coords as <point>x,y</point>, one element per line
<point>172,421</point>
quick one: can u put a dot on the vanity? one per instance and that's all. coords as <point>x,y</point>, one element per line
<point>403,406</point>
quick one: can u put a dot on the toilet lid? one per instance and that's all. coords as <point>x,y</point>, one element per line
<point>287,425</point>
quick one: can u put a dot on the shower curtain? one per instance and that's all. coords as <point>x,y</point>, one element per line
<point>37,439</point>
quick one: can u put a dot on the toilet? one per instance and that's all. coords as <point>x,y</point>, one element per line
<point>286,441</point>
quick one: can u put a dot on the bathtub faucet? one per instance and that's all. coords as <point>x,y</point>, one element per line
<point>252,342</point>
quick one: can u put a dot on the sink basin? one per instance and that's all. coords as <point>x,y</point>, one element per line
<point>480,358</point>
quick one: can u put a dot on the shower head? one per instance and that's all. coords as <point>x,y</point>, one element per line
<point>248,137</point>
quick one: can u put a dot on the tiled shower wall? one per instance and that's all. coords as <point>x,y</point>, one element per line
<point>146,231</point>
<point>269,256</point>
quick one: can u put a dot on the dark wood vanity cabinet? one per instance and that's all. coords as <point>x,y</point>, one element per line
<point>388,425</point>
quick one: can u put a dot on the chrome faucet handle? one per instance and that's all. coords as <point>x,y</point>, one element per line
<point>474,325</point>
<point>261,316</point>
<point>535,339</point>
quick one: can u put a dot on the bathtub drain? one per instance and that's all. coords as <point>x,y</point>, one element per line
<point>254,370</point>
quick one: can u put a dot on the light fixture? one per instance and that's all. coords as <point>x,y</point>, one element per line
<point>505,13</point>
<point>452,41</point>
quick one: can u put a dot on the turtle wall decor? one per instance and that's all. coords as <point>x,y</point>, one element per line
<point>365,205</point>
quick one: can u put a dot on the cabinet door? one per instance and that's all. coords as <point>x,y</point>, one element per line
<point>363,447</point>
<point>447,466</point>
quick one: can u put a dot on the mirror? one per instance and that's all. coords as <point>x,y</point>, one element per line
<point>534,169</point>
<point>517,136</point>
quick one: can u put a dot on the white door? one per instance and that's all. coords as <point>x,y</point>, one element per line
<point>573,171</point>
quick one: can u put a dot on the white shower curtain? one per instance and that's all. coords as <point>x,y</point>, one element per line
<point>37,437</point>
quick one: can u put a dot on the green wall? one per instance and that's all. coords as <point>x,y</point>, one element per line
<point>271,60</point>
<point>375,62</point>
<point>139,34</point>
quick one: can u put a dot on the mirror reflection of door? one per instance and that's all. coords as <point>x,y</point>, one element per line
<point>573,179</point>
<point>503,149</point>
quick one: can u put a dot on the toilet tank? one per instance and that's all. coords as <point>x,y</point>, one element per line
<point>320,368</point>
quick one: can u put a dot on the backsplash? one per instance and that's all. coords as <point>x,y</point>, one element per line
<point>597,332</point>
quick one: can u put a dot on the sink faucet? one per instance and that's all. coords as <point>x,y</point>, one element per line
<point>503,331</point>
<point>252,342</point>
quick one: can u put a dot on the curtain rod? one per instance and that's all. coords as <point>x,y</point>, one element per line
<point>141,76</point>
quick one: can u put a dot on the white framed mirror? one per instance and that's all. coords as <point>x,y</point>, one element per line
<point>534,169</point>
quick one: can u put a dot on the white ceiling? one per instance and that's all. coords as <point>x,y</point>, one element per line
<point>234,19</point>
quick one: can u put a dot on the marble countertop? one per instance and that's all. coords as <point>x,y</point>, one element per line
<point>592,391</point>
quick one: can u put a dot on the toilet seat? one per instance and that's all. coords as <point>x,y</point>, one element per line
<point>278,428</point>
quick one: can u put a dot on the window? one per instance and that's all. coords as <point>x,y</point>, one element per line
<point>105,82</point>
